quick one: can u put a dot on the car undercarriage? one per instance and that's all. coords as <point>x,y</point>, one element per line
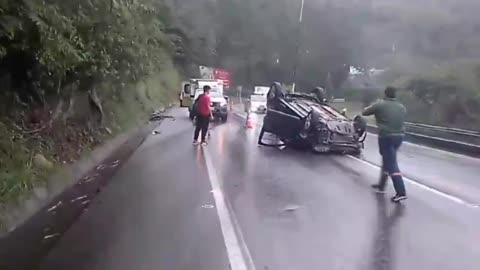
<point>307,121</point>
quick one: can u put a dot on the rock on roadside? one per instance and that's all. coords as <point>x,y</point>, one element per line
<point>40,161</point>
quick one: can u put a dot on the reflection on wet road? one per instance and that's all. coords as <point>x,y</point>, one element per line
<point>272,209</point>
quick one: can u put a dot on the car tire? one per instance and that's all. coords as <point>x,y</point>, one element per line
<point>360,124</point>
<point>224,119</point>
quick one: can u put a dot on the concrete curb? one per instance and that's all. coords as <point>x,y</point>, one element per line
<point>14,214</point>
<point>440,143</point>
<point>41,221</point>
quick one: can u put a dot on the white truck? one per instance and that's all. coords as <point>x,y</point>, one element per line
<point>261,90</point>
<point>194,87</point>
<point>258,101</point>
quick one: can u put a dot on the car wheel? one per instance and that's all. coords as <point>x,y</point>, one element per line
<point>224,119</point>
<point>360,125</point>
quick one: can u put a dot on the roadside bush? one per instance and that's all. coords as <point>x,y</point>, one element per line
<point>451,99</point>
<point>52,43</point>
<point>72,74</point>
<point>447,95</point>
<point>365,96</point>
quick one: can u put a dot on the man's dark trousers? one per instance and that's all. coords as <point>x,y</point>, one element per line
<point>202,125</point>
<point>389,145</point>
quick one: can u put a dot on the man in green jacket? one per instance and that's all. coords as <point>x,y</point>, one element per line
<point>390,116</point>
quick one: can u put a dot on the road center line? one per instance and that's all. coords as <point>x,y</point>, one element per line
<point>234,242</point>
<point>422,186</point>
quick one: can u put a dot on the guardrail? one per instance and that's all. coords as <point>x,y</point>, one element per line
<point>464,142</point>
<point>466,136</point>
<point>453,130</point>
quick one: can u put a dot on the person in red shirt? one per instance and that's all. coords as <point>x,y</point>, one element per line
<point>203,114</point>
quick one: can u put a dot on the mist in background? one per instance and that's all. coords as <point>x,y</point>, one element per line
<point>427,48</point>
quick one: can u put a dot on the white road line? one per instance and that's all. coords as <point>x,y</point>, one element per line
<point>437,192</point>
<point>234,243</point>
<point>413,182</point>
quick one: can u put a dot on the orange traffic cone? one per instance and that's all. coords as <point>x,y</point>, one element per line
<point>248,122</point>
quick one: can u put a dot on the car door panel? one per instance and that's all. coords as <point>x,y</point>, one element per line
<point>282,124</point>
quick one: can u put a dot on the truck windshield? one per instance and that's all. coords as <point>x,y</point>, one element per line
<point>215,94</point>
<point>258,98</point>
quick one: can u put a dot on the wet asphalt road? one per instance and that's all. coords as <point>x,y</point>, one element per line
<point>290,210</point>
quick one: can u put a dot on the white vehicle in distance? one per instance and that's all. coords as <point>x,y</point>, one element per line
<point>190,88</point>
<point>261,90</point>
<point>258,103</point>
<point>219,104</point>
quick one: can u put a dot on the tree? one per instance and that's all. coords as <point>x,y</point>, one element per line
<point>88,41</point>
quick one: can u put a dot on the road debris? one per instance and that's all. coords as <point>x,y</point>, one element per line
<point>55,206</point>
<point>156,132</point>
<point>158,116</point>
<point>291,208</point>
<point>101,167</point>
<point>79,198</point>
<point>207,206</point>
<point>89,178</point>
<point>85,202</point>
<point>46,237</point>
<point>115,164</point>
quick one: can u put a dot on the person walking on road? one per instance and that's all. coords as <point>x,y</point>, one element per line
<point>203,115</point>
<point>390,116</point>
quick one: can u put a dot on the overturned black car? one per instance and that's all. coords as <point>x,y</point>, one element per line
<point>305,120</point>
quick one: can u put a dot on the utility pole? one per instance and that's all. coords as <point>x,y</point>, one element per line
<point>297,53</point>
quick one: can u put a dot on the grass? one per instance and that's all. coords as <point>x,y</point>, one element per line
<point>132,107</point>
<point>18,175</point>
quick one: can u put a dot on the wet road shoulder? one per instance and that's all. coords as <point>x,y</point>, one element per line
<point>157,213</point>
<point>304,211</point>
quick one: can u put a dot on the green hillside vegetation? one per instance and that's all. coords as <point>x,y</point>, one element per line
<point>73,74</point>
